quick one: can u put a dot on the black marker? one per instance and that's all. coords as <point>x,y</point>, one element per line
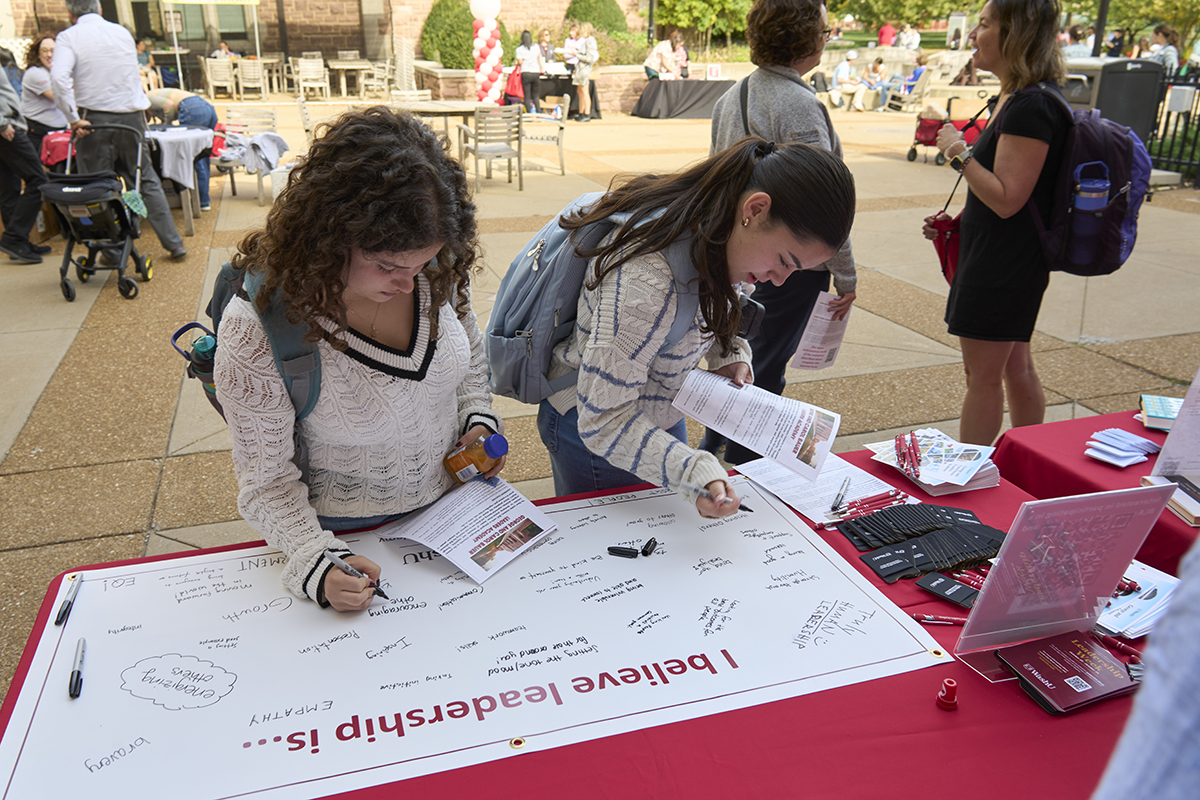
<point>649,546</point>
<point>64,610</point>
<point>76,685</point>
<point>623,552</point>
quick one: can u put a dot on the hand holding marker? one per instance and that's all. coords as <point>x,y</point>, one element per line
<point>352,572</point>
<point>707,495</point>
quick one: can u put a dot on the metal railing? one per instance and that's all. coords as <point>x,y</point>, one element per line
<point>1175,145</point>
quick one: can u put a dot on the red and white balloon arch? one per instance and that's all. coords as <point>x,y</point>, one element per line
<point>489,75</point>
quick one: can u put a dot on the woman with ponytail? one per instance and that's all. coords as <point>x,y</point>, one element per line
<point>754,212</point>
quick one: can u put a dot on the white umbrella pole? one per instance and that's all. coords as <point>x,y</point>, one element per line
<point>175,43</point>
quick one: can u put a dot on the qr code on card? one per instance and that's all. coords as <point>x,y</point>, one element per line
<point>1077,683</point>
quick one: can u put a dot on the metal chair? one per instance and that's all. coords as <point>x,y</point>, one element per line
<point>496,132</point>
<point>248,121</point>
<point>313,75</point>
<point>251,75</point>
<point>546,128</point>
<point>219,72</point>
<point>276,69</point>
<point>305,119</point>
<point>378,79</point>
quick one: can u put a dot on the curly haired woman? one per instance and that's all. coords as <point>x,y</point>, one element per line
<point>371,244</point>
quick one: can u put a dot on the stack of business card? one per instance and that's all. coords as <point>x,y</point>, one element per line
<point>1120,447</point>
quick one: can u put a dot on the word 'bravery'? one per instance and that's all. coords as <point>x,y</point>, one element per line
<point>478,708</point>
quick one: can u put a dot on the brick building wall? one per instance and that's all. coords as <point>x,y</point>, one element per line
<point>330,25</point>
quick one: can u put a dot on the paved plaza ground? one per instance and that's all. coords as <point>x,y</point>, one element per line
<point>110,454</point>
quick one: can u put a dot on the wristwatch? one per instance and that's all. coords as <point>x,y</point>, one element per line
<point>959,161</point>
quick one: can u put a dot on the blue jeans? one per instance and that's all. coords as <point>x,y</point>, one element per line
<point>577,469</point>
<point>196,112</point>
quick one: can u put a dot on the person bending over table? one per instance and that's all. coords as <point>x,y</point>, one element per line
<point>1002,274</point>
<point>371,244</point>
<point>661,64</point>
<point>193,111</point>
<point>755,212</point>
<point>787,38</point>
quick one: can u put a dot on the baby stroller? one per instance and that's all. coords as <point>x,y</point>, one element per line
<point>927,130</point>
<point>93,209</point>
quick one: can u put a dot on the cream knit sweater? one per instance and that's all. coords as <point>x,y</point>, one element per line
<point>383,422</point>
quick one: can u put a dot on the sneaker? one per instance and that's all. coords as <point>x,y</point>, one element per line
<point>206,208</point>
<point>41,249</point>
<point>22,252</point>
<point>178,253</point>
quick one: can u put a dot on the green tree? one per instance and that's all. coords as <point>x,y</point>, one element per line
<point>873,13</point>
<point>448,35</point>
<point>606,15</point>
<point>706,16</point>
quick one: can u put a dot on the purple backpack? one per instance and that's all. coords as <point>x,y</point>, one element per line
<point>1102,180</point>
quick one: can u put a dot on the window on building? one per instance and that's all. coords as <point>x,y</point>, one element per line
<point>231,20</point>
<point>148,21</point>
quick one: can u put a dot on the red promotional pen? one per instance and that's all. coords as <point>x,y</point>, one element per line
<point>932,619</point>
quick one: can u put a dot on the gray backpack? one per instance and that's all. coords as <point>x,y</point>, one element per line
<point>538,299</point>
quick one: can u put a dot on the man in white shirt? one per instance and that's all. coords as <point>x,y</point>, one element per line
<point>845,81</point>
<point>96,81</point>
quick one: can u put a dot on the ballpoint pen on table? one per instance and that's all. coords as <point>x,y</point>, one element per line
<point>351,571</point>
<point>841,495</point>
<point>707,495</point>
<point>68,603</point>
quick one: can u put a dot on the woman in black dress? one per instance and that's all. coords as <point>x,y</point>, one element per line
<point>997,291</point>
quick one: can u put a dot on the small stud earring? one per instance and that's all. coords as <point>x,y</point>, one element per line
<point>745,222</point>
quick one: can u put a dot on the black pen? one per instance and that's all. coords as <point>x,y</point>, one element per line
<point>841,495</point>
<point>351,571</point>
<point>64,610</point>
<point>707,495</point>
<point>76,684</point>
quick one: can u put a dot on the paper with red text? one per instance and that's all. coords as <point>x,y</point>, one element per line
<point>795,434</point>
<point>479,526</point>
<point>206,666</point>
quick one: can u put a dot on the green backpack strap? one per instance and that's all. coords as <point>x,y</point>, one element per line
<point>297,360</point>
<point>298,363</point>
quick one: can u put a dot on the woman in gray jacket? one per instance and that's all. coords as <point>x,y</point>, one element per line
<point>787,38</point>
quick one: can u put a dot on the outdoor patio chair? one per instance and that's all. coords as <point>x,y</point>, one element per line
<point>347,55</point>
<point>313,75</point>
<point>305,119</point>
<point>248,121</point>
<point>312,54</point>
<point>545,128</point>
<point>218,72</point>
<point>915,100</point>
<point>251,75</point>
<point>378,80</point>
<point>497,134</point>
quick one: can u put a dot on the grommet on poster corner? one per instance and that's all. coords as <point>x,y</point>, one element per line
<point>517,742</point>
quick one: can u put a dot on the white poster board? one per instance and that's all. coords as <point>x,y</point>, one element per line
<point>205,676</point>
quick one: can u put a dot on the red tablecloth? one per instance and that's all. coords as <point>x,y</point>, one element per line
<point>883,738</point>
<point>1048,461</point>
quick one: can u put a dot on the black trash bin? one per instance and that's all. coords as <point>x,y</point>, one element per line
<point>1125,90</point>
